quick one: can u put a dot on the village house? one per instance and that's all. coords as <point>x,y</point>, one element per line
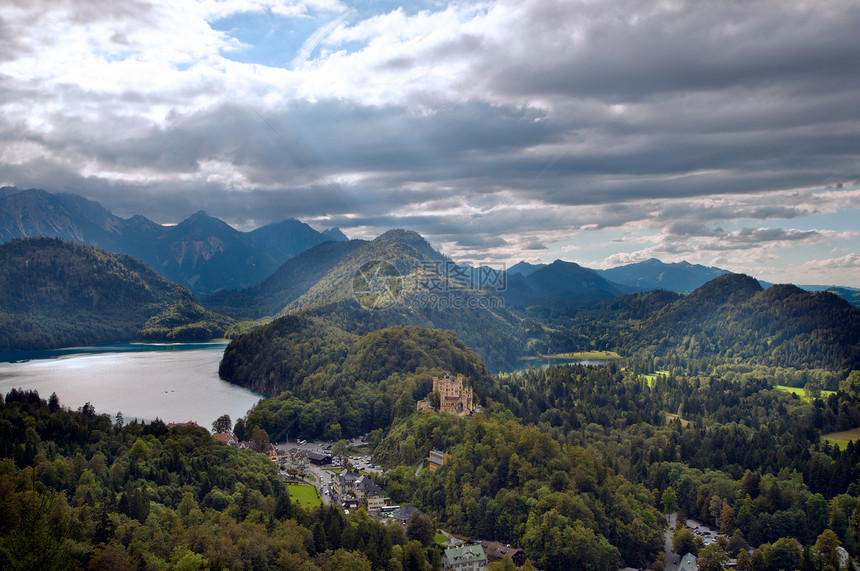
<point>351,490</point>
<point>404,512</point>
<point>343,485</point>
<point>226,438</point>
<point>319,458</point>
<point>438,458</point>
<point>370,494</point>
<point>498,551</point>
<point>688,563</point>
<point>465,558</point>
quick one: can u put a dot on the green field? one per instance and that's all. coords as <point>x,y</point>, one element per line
<point>841,439</point>
<point>305,494</point>
<point>575,356</point>
<point>670,417</point>
<point>800,392</point>
<point>608,355</point>
<point>651,377</point>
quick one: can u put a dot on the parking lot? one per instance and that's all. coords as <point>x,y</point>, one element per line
<point>706,533</point>
<point>363,463</point>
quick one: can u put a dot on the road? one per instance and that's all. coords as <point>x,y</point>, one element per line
<point>670,555</point>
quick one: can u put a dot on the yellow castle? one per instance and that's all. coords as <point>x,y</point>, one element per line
<point>454,398</point>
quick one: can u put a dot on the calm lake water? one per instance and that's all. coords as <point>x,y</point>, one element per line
<point>175,382</point>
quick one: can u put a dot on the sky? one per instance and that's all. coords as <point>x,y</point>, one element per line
<point>604,132</point>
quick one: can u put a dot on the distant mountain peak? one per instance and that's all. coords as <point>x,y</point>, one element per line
<point>681,277</point>
<point>199,215</point>
<point>202,252</point>
<point>335,234</point>
<point>524,268</point>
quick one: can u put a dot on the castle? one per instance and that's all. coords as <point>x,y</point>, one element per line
<point>454,398</point>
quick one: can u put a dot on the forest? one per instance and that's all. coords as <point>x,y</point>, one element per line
<point>60,294</point>
<point>590,456</point>
<point>85,491</point>
<point>570,462</point>
<point>592,445</point>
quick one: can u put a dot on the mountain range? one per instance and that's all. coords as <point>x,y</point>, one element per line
<point>207,255</point>
<point>202,253</point>
<point>60,293</point>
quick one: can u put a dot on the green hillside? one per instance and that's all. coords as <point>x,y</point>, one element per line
<point>58,294</point>
<point>729,321</point>
<point>328,383</point>
<point>293,279</point>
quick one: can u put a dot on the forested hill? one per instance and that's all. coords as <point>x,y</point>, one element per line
<point>733,319</point>
<point>58,294</point>
<point>289,282</point>
<point>396,279</point>
<point>327,383</point>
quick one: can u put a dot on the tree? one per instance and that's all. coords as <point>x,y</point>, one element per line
<point>54,403</point>
<point>736,544</point>
<point>340,450</point>
<point>817,515</point>
<point>259,440</point>
<point>825,553</point>
<point>139,449</point>
<point>669,500</point>
<point>684,542</point>
<point>222,424</point>
<point>420,528</point>
<point>727,518</point>
<point>784,554</point>
<point>744,563</point>
<point>851,385</point>
<point>812,390</point>
<point>554,542</point>
<point>712,558</point>
<point>120,421</point>
<point>435,400</point>
<point>240,430</point>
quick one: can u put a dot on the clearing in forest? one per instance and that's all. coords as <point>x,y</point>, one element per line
<point>841,439</point>
<point>305,494</point>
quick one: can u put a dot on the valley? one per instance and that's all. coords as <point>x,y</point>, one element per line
<point>731,403</point>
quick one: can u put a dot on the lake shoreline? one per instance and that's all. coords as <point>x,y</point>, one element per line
<point>175,382</point>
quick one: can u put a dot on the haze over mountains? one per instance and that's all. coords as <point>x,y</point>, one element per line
<point>71,295</point>
<point>202,253</point>
<point>207,255</point>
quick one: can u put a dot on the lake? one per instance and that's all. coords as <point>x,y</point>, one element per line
<point>175,382</point>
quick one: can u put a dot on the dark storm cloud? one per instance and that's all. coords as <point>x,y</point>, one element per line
<point>629,50</point>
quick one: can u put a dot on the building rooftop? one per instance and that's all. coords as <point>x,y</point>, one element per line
<point>465,553</point>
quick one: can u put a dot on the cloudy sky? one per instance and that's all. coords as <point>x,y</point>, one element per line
<point>719,132</point>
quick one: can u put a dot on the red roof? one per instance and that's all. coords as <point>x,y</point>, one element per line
<point>224,437</point>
